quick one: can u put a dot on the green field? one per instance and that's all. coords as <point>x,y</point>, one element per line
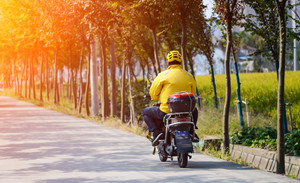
<point>260,89</point>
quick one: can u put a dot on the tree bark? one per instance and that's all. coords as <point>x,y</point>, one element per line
<point>55,79</point>
<point>14,76</point>
<point>157,62</point>
<point>47,76</point>
<point>41,78</point>
<point>22,78</point>
<point>30,76</point>
<point>74,81</point>
<point>104,84</point>
<point>94,79</point>
<point>26,75</point>
<point>80,80</point>
<point>58,88</point>
<point>33,80</point>
<point>183,40</point>
<point>113,102</point>
<point>70,75</point>
<point>132,111</point>
<point>228,88</point>
<point>280,100</point>
<point>88,85</point>
<point>123,92</point>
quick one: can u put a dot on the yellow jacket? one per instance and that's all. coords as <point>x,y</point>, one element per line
<point>173,79</point>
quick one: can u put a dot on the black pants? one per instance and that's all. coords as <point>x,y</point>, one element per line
<point>153,117</point>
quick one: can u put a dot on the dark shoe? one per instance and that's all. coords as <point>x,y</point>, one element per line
<point>196,138</point>
<point>156,138</point>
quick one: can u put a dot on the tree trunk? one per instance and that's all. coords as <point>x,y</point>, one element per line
<point>47,76</point>
<point>26,75</point>
<point>191,63</point>
<point>104,84</point>
<point>228,89</point>
<point>280,100</point>
<point>88,85</point>
<point>55,79</point>
<point>58,88</point>
<point>94,79</point>
<point>132,111</point>
<point>113,102</point>
<point>183,40</point>
<point>22,78</point>
<point>69,80</point>
<point>13,75</point>
<point>80,80</point>
<point>157,62</point>
<point>153,63</point>
<point>30,76</point>
<point>33,80</point>
<point>74,81</point>
<point>41,78</point>
<point>123,92</point>
<point>149,73</point>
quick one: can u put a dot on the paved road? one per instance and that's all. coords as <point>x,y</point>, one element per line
<point>43,146</point>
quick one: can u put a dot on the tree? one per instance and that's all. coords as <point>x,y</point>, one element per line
<point>266,24</point>
<point>181,11</point>
<point>100,15</point>
<point>148,14</point>
<point>281,6</point>
<point>113,103</point>
<point>201,42</point>
<point>94,80</point>
<point>87,86</point>
<point>228,11</point>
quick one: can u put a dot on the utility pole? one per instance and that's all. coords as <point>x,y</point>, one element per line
<point>294,10</point>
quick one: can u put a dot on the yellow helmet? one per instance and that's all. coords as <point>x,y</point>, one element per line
<point>174,56</point>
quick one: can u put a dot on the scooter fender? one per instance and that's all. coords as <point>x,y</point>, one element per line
<point>183,142</point>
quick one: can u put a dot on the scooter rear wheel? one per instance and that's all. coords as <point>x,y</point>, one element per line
<point>182,160</point>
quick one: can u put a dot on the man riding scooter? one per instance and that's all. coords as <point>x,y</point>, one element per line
<point>173,79</point>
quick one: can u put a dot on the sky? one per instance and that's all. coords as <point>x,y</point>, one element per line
<point>209,4</point>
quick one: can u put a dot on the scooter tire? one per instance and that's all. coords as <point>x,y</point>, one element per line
<point>182,160</point>
<point>162,157</point>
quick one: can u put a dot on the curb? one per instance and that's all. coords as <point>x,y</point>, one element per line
<point>265,160</point>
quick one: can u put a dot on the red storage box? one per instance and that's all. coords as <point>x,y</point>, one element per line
<point>181,102</point>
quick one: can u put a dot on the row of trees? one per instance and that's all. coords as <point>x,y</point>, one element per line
<point>50,37</point>
<point>40,39</point>
<point>273,29</point>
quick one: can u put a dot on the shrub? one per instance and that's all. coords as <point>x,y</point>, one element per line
<point>266,138</point>
<point>292,142</point>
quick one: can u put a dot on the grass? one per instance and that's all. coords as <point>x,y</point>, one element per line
<point>209,120</point>
<point>260,89</point>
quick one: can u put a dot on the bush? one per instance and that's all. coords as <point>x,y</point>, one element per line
<point>266,138</point>
<point>292,142</point>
